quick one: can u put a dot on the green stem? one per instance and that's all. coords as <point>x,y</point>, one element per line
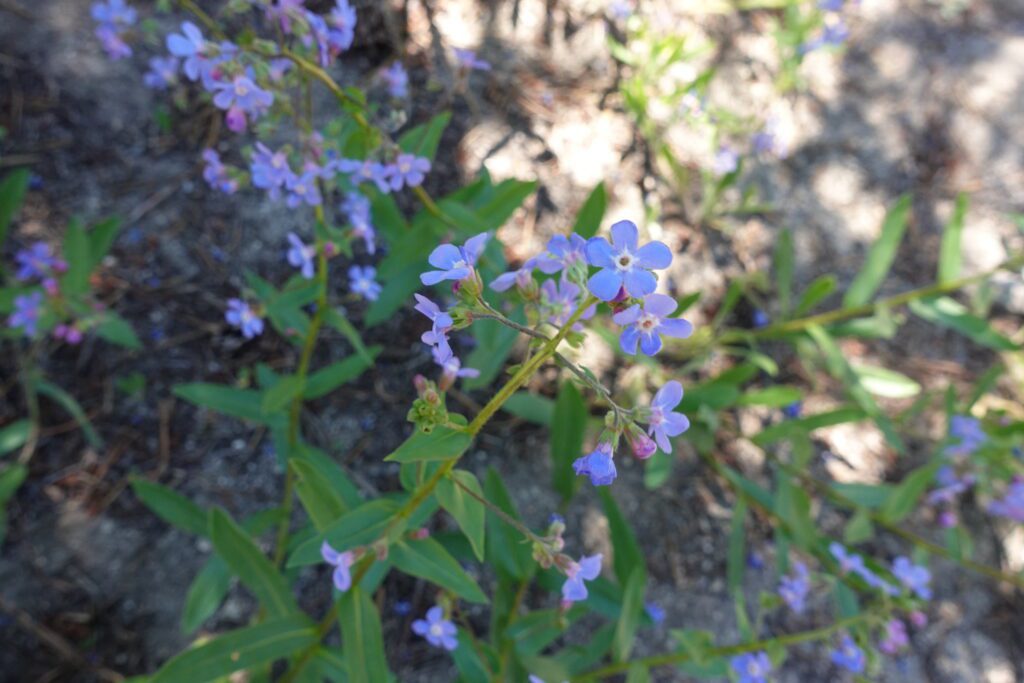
<point>504,516</point>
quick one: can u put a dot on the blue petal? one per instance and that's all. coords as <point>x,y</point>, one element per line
<point>629,339</point>
<point>676,327</point>
<point>654,255</point>
<point>625,236</point>
<point>639,282</point>
<point>650,344</point>
<point>432,277</point>
<point>599,253</point>
<point>444,256</point>
<point>605,284</point>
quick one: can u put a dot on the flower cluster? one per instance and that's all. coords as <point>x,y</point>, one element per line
<point>113,19</point>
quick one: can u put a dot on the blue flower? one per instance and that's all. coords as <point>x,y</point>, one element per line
<point>241,96</point>
<point>366,171</point>
<point>303,189</point>
<point>216,174</point>
<point>760,319</point>
<point>646,326</point>
<point>578,573</point>
<point>408,169</point>
<point>561,300</point>
<point>792,411</point>
<point>597,465</point>
<point>521,278</point>
<point>752,667</point>
<point>37,261</point>
<point>563,253</point>
<point>913,576</point>
<point>451,368</point>
<point>793,589</point>
<point>240,315</point>
<point>27,309</point>
<point>468,60</point>
<point>968,434</point>
<point>270,170</point>
<point>342,563</point>
<point>726,161</point>
<point>455,263</point>
<point>397,81</point>
<point>438,631</point>
<point>163,71</point>
<point>114,12</point>
<point>343,26</point>
<point>849,656</point>
<point>655,612</point>
<point>362,281</point>
<point>854,563</point>
<point>623,264</point>
<point>895,637</point>
<point>437,336</point>
<point>357,208</point>
<point>1012,504</point>
<point>951,485</point>
<point>301,255</point>
<point>664,422</point>
<point>191,47</point>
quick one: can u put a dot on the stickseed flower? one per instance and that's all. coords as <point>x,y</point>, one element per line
<point>300,255</point>
<point>241,96</point>
<point>408,169</point>
<point>913,576</point>
<point>752,667</point>
<point>360,171</point>
<point>520,277</point>
<point>342,20</point>
<point>163,72</point>
<point>655,612</point>
<point>468,60</point>
<point>303,189</point>
<point>191,47</point>
<point>437,336</point>
<point>112,19</point>
<point>664,422</point>
<point>362,281</point>
<point>270,170</point>
<point>895,637</point>
<point>451,369</point>
<point>216,174</point>
<point>357,208</point>
<point>27,309</point>
<point>646,326</point>
<point>397,80</point>
<point>37,261</point>
<point>69,333</point>
<point>792,411</point>
<point>793,588</point>
<point>623,264</point>
<point>598,465</point>
<point>240,315</point>
<point>455,263</point>
<point>342,563</point>
<point>438,631</point>
<point>951,485</point>
<point>563,253</point>
<point>642,445</point>
<point>577,574</point>
<point>854,563</point>
<point>562,299</point>
<point>1012,504</point>
<point>968,434</point>
<point>848,656</point>
<point>726,161</point>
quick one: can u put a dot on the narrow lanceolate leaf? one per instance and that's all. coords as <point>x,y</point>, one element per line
<point>632,610</point>
<point>588,220</point>
<point>323,503</point>
<point>117,330</point>
<point>468,511</point>
<point>243,403</point>
<point>773,397</point>
<point>505,548</point>
<point>101,238</point>
<point>625,549</point>
<point>172,507</point>
<point>362,638</point>
<point>952,315</point>
<point>239,650</point>
<point>949,252</point>
<point>14,435</point>
<point>73,408</point>
<point>253,568</point>
<point>902,500</point>
<point>884,382</point>
<point>784,258</point>
<point>567,429</point>
<point>205,594</point>
<point>365,524</point>
<point>326,380</point>
<point>427,559</point>
<point>443,443</point>
<point>423,139</point>
<point>279,396</point>
<point>12,193</point>
<point>75,279</point>
<point>816,291</point>
<point>880,256</point>
<point>11,477</point>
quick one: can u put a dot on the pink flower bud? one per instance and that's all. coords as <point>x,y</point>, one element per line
<point>51,286</point>
<point>235,120</point>
<point>919,619</point>
<point>420,382</point>
<point>421,533</point>
<point>643,446</point>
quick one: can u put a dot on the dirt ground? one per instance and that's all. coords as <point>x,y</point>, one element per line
<point>925,101</point>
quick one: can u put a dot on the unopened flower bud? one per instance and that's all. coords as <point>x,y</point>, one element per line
<point>420,382</point>
<point>919,619</point>
<point>642,445</point>
<point>420,534</point>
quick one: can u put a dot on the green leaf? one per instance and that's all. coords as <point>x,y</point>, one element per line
<point>469,512</point>
<point>339,322</point>
<point>76,253</point>
<point>280,395</point>
<point>820,288</point>
<point>530,407</point>
<point>952,315</point>
<point>471,668</point>
<point>884,382</point>
<point>638,673</point>
<point>332,472</point>
<point>324,504</point>
<point>12,194</point>
<point>806,425</point>
<point>253,568</point>
<point>427,559</point>
<point>629,620</point>
<point>657,470</point>
<point>569,423</point>
<point>784,259</point>
<point>11,478</point>
<point>397,291</point>
<point>773,397</point>
<point>505,548</point>
<point>859,528</point>
<point>170,506</point>
<point>508,195</point>
<point>880,256</point>
<point>117,330</point>
<point>695,643</point>
<point>73,408</point>
<point>362,638</point>
<point>326,380</point>
<point>588,220</point>
<point>101,238</point>
<point>238,650</point>
<point>14,435</point>
<point>365,524</point>
<point>626,553</point>
<point>242,403</point>
<point>950,251</point>
<point>443,443</point>
<point>205,594</point>
<point>423,139</point>
<point>902,500</point>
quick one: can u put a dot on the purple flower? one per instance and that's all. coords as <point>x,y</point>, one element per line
<point>655,612</point>
<point>454,263</point>
<point>913,576</point>
<point>854,563</point>
<point>361,281</point>
<point>623,264</point>
<point>664,422</point>
<point>342,20</point>
<point>848,656</point>
<point>563,253</point>
<point>895,637</point>
<point>27,309</point>
<point>1012,504</point>
<point>726,161</point>
<point>240,315</point>
<point>646,326</point>
<point>278,68</point>
<point>216,174</point>
<point>562,300</point>
<point>357,208</point>
<point>438,631</point>
<point>620,10</point>
<point>163,72</point>
<point>451,368</point>
<point>319,33</point>
<point>437,336</point>
<point>114,12</point>
<point>190,46</point>
<point>968,434</point>
<point>408,169</point>
<point>37,261</point>
<point>112,41</point>
<point>792,411</point>
<point>761,319</point>
<point>270,170</point>
<point>303,189</point>
<point>951,485</point>
<point>241,96</point>
<point>768,141</point>
<point>397,81</point>
<point>468,60</point>
<point>366,171</point>
<point>793,588</point>
<point>597,465</point>
<point>577,574</point>
<point>342,563</point>
<point>752,667</point>
<point>833,34</point>
<point>521,278</point>
<point>301,255</point>
<point>830,5</point>
<point>283,11</point>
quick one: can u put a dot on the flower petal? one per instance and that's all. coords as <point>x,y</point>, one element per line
<point>676,327</point>
<point>573,590</point>
<point>475,246</point>
<point>629,339</point>
<point>432,277</point>
<point>654,255</point>
<point>640,282</point>
<point>628,316</point>
<point>668,396</point>
<point>675,424</point>
<point>660,305</point>
<point>590,567</point>
<point>650,344</point>
<point>605,284</point>
<point>599,253</point>
<point>625,236</point>
<point>662,438</point>
<point>445,256</point>
<point>330,555</point>
<point>435,614</point>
